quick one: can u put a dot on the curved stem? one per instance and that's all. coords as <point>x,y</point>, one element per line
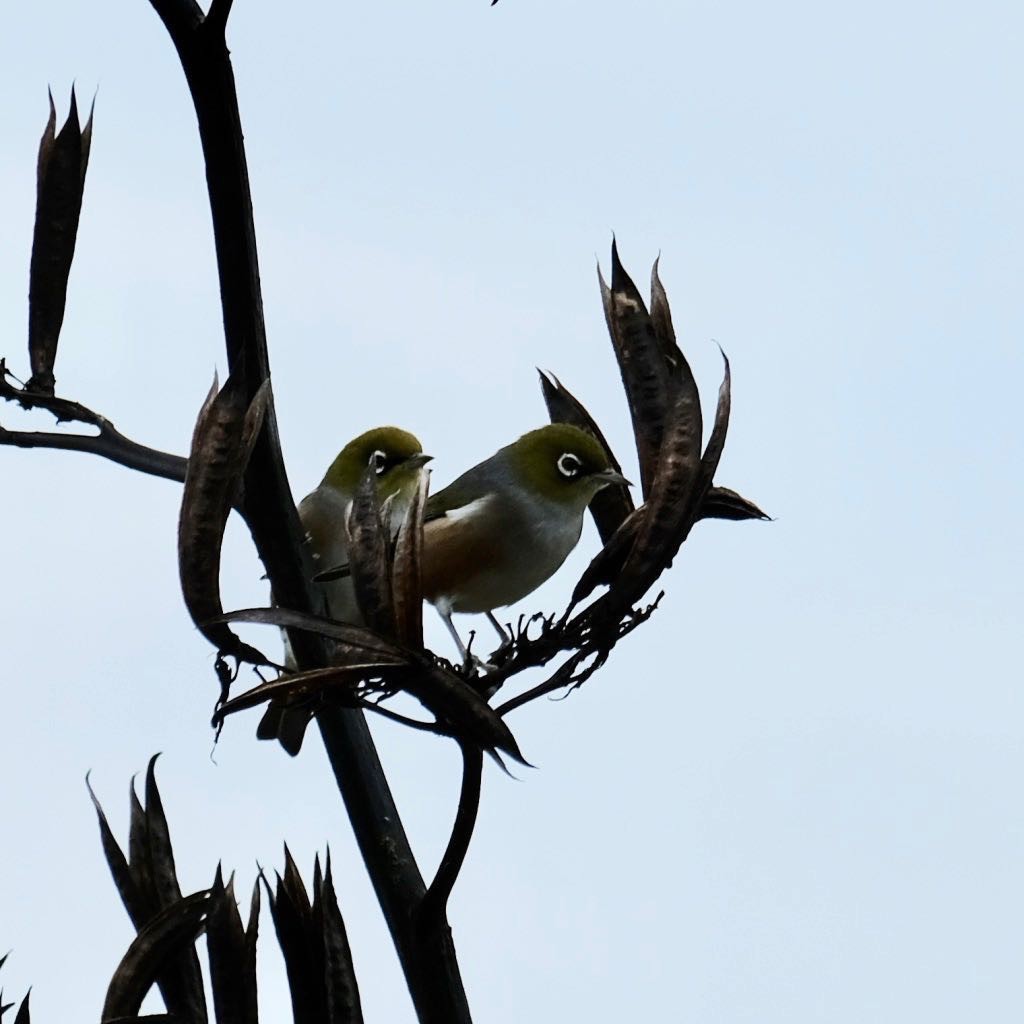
<point>432,909</point>
<point>428,958</point>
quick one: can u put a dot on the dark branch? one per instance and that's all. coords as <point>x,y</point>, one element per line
<point>217,16</point>
<point>432,911</point>
<point>108,442</point>
<point>429,963</point>
<point>180,16</point>
<point>431,970</point>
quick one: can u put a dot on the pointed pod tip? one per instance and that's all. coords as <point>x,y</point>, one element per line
<point>656,285</point>
<point>92,792</point>
<point>72,119</point>
<point>619,275</point>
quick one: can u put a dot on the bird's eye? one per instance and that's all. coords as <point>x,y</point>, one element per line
<point>569,465</point>
<point>379,461</point>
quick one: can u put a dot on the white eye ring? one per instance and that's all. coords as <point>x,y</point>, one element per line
<point>569,465</point>
<point>379,462</point>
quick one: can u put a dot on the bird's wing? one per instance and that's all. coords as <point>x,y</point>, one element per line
<point>463,492</point>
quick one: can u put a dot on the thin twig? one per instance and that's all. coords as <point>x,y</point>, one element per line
<point>563,676</point>
<point>587,635</point>
<point>109,442</point>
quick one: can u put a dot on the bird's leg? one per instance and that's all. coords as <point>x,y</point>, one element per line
<point>468,659</point>
<point>502,632</point>
<point>447,616</point>
<point>507,640</point>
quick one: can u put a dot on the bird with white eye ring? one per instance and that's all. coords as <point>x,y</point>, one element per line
<point>504,527</point>
<point>396,456</point>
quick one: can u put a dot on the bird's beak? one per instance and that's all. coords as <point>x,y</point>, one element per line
<point>415,461</point>
<point>611,476</point>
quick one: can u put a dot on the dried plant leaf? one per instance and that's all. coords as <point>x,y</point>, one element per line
<point>720,428</point>
<point>368,557</point>
<point>151,859</point>
<point>669,510</point>
<point>138,859</point>
<point>158,843</point>
<point>718,503</point>
<point>342,989</point>
<point>613,504</point>
<point>723,503</point>
<point>134,900</point>
<point>349,640</point>
<point>606,565</point>
<point>46,143</point>
<point>232,958</point>
<point>60,181</point>
<point>680,489</point>
<point>252,424</point>
<point>408,580</point>
<point>252,929</point>
<point>452,700</point>
<point>645,373</point>
<point>215,466</point>
<point>172,931</point>
<point>303,686</point>
<point>291,925</point>
<point>86,145</point>
<point>661,318</point>
<point>293,886</point>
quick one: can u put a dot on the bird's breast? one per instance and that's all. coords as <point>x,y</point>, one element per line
<point>493,552</point>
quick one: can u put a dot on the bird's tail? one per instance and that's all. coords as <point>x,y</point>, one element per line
<point>285,723</point>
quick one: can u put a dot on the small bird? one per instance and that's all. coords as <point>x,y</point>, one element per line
<point>396,457</point>
<point>505,526</point>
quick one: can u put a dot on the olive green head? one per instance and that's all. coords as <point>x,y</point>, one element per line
<point>562,464</point>
<point>396,457</point>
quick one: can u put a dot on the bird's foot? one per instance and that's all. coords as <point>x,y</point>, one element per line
<point>472,665</point>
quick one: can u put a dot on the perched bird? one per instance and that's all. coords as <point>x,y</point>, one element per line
<point>396,457</point>
<point>505,526</point>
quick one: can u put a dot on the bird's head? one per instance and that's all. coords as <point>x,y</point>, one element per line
<point>562,465</point>
<point>395,455</point>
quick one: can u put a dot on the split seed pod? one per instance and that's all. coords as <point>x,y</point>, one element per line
<point>60,182</point>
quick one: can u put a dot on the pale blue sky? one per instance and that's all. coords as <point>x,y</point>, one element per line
<point>795,794</point>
